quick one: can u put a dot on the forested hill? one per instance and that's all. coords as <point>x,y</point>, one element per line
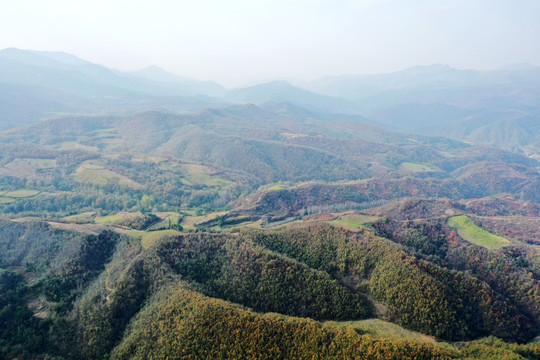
<point>210,158</point>
<point>93,295</point>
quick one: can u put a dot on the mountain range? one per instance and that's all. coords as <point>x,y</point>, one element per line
<point>467,105</point>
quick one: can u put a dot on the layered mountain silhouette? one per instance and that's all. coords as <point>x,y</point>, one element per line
<point>498,107</point>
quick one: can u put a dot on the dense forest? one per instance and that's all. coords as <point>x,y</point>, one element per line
<point>85,296</point>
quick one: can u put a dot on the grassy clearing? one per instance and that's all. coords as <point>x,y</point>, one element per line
<point>36,164</point>
<point>135,234</point>
<point>152,237</point>
<point>110,219</point>
<point>129,220</point>
<point>71,145</point>
<point>413,167</point>
<point>89,166</point>
<point>281,223</point>
<point>96,175</point>
<point>210,181</point>
<point>383,329</point>
<point>23,193</point>
<point>162,225</point>
<point>473,233</point>
<point>93,229</point>
<point>120,218</point>
<point>169,219</point>
<point>23,219</point>
<point>248,224</point>
<point>196,174</point>
<point>353,221</point>
<point>190,222</point>
<point>82,218</point>
<point>26,167</point>
<point>204,175</point>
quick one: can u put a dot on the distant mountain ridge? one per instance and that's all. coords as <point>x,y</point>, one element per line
<point>498,107</point>
<point>283,91</point>
<point>421,77</point>
<point>39,85</point>
<point>69,69</point>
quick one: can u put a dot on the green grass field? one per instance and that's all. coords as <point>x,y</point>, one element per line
<point>136,234</point>
<point>413,167</point>
<point>353,221</point>
<point>152,237</point>
<point>473,233</point>
<point>82,218</point>
<point>109,219</point>
<point>96,175</point>
<point>210,181</point>
<point>23,193</point>
<point>383,329</point>
<point>118,218</point>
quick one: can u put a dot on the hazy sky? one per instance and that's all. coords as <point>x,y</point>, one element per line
<point>236,41</point>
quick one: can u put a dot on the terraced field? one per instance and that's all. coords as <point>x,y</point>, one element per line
<point>97,175</point>
<point>7,197</point>
<point>473,233</point>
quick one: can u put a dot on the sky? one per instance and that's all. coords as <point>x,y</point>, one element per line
<point>235,42</point>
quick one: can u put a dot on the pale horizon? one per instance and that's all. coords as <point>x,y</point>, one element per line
<point>239,42</point>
